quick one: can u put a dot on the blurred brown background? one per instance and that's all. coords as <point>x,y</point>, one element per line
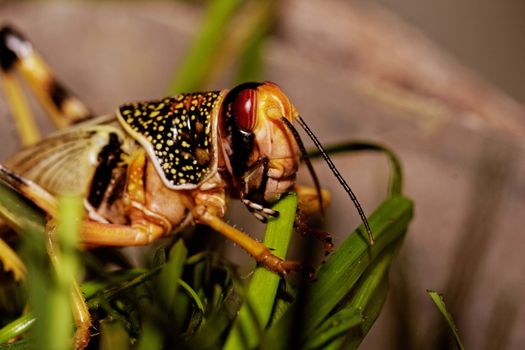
<point>357,71</point>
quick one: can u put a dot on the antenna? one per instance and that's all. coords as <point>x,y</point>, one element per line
<point>306,159</point>
<point>336,173</point>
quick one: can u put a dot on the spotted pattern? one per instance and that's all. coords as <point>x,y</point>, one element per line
<point>177,133</point>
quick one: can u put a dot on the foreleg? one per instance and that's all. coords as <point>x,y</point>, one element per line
<point>210,207</point>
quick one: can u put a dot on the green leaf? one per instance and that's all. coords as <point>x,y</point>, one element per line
<point>16,327</point>
<point>256,311</point>
<point>194,69</point>
<point>18,213</point>
<point>113,335</point>
<point>171,272</point>
<point>338,325</point>
<point>263,17</point>
<point>55,323</point>
<point>341,272</point>
<point>440,303</point>
<point>151,338</point>
<point>396,179</point>
<point>368,297</point>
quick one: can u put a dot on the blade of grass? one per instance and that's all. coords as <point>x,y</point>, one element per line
<point>262,18</point>
<point>24,218</point>
<point>97,299</point>
<point>171,273</point>
<point>440,303</point>
<point>168,284</point>
<point>18,213</point>
<point>369,297</point>
<point>16,327</point>
<point>113,336</point>
<point>256,311</point>
<point>50,291</point>
<point>231,30</point>
<point>195,66</point>
<point>58,319</point>
<point>342,269</point>
<point>91,288</point>
<point>396,178</point>
<point>337,277</point>
<point>339,324</point>
<point>150,338</point>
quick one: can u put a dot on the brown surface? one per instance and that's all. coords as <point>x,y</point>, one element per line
<point>362,76</point>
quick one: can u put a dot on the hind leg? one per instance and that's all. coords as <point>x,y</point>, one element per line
<point>11,262</point>
<point>18,55</point>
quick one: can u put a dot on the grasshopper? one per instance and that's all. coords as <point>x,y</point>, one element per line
<point>156,167</point>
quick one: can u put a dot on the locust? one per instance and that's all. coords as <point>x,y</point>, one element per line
<point>153,168</point>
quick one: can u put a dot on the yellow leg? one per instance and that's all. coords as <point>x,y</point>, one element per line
<point>259,251</point>
<point>12,262</point>
<point>30,190</point>
<point>25,123</point>
<point>99,234</point>
<point>79,307</point>
<point>62,107</point>
<point>17,54</point>
<point>81,316</point>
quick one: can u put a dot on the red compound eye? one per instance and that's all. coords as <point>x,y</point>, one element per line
<point>244,109</point>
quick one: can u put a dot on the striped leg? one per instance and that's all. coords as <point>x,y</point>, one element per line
<point>17,55</point>
<point>8,258</point>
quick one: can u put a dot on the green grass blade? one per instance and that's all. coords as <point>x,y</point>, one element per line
<point>396,178</point>
<point>192,295</point>
<point>150,338</point>
<point>113,335</point>
<point>50,291</point>
<point>250,64</point>
<point>256,311</point>
<point>58,319</point>
<point>338,325</point>
<point>113,290</point>
<point>91,288</point>
<point>337,276</point>
<point>366,302</point>
<point>196,64</point>
<point>342,270</point>
<point>174,304</point>
<point>16,327</point>
<point>171,273</point>
<point>18,213</point>
<point>440,303</point>
<point>369,296</point>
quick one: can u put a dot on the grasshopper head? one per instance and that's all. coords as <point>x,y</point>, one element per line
<point>261,152</point>
<point>262,148</point>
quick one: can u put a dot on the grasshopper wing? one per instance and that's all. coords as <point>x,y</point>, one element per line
<point>66,162</point>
